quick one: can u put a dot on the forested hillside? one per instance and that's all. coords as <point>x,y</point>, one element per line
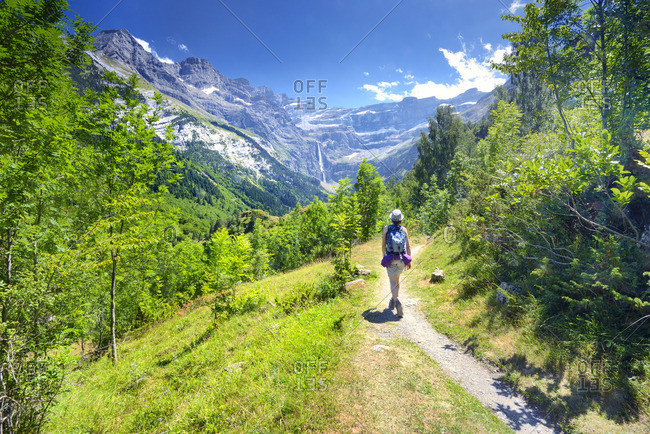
<point>107,229</point>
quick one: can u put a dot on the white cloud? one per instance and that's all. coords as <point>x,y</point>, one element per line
<point>498,55</point>
<point>516,5</point>
<point>366,74</point>
<point>183,47</point>
<point>472,74</point>
<point>399,70</point>
<point>468,68</point>
<point>439,90</point>
<point>147,47</point>
<point>382,95</point>
<point>462,42</point>
<point>144,44</point>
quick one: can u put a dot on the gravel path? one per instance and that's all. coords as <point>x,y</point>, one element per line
<point>478,379</point>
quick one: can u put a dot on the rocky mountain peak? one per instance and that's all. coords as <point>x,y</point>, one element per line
<point>200,73</point>
<point>195,63</point>
<point>121,45</point>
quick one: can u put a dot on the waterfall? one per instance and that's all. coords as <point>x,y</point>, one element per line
<point>320,162</point>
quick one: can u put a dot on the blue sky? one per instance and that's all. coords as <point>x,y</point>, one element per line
<point>422,48</point>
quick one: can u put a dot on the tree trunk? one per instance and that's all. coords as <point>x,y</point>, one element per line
<point>35,242</point>
<point>114,256</point>
<point>603,60</point>
<point>557,94</point>
<point>113,279</point>
<point>8,271</point>
<point>625,131</point>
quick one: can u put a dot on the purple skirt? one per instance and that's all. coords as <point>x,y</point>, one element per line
<point>388,259</point>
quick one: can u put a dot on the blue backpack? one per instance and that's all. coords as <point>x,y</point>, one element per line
<point>395,240</point>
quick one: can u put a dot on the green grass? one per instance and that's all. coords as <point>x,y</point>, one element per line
<point>267,371</point>
<point>469,313</point>
<point>402,390</point>
<point>177,375</point>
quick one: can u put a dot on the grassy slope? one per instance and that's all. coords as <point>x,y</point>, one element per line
<point>311,370</point>
<point>535,366</point>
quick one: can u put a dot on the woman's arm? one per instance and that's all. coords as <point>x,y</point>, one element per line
<point>408,243</point>
<point>383,241</point>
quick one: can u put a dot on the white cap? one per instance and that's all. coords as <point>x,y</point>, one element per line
<point>396,216</point>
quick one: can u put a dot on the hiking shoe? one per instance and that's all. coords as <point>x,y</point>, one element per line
<point>400,312</point>
<point>391,304</point>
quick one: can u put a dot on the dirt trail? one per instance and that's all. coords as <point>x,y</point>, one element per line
<point>477,378</point>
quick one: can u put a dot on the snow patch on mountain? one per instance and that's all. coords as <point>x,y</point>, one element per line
<point>380,131</point>
<point>239,100</point>
<point>209,90</point>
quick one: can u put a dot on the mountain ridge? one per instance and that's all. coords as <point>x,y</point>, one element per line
<point>227,169</point>
<point>326,144</point>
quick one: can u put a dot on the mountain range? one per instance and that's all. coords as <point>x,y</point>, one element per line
<point>270,137</point>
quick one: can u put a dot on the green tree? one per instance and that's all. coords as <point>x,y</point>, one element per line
<point>37,108</point>
<point>345,225</point>
<point>598,57</point>
<point>317,234</point>
<point>284,245</point>
<point>437,149</point>
<point>533,98</point>
<point>227,257</point>
<point>558,224</point>
<point>260,258</point>
<point>369,188</point>
<point>503,140</point>
<point>341,194</point>
<point>402,194</point>
<point>436,209</point>
<point>127,160</point>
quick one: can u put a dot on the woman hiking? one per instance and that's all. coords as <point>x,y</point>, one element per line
<point>396,248</point>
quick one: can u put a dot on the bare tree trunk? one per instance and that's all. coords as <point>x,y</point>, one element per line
<point>626,130</point>
<point>114,257</point>
<point>603,61</point>
<point>35,242</point>
<point>113,279</point>
<point>557,94</point>
<point>8,270</point>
